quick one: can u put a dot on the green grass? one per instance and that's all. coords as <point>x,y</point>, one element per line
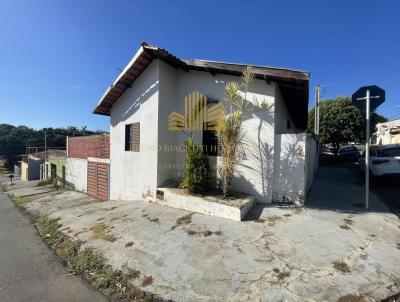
<point>100,231</point>
<point>92,265</point>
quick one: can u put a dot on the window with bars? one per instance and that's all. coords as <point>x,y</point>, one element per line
<point>132,137</point>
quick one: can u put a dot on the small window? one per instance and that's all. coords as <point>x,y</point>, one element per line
<point>210,142</point>
<point>132,137</point>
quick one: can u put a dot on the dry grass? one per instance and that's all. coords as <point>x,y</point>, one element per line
<point>147,280</point>
<point>281,274</point>
<point>341,266</point>
<point>19,201</point>
<point>100,231</point>
<point>353,298</point>
<point>272,220</point>
<point>184,220</point>
<point>93,266</point>
<point>205,233</point>
<point>5,187</point>
<point>129,244</point>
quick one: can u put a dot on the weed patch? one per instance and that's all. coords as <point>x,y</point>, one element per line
<point>19,201</point>
<point>205,233</point>
<point>353,298</point>
<point>46,182</point>
<point>184,220</point>
<point>147,280</point>
<point>272,220</point>
<point>348,220</point>
<point>99,231</point>
<point>5,187</point>
<point>345,227</point>
<point>341,266</point>
<point>93,266</point>
<point>280,274</point>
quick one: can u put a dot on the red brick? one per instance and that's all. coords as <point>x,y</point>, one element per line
<point>89,146</point>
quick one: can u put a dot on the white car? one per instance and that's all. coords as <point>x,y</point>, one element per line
<point>384,160</point>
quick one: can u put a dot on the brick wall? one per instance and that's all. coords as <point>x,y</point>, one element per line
<point>89,146</point>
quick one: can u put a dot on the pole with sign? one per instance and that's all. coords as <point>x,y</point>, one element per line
<point>371,103</point>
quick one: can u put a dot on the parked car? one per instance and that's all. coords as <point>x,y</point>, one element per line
<point>349,152</point>
<point>384,160</point>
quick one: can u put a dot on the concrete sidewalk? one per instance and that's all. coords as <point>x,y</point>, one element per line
<point>29,271</point>
<point>329,249</point>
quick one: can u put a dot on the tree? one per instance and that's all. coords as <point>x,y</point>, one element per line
<point>341,122</point>
<point>14,140</point>
<point>229,127</point>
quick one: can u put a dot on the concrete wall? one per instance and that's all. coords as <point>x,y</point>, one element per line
<point>59,162</point>
<point>76,173</point>
<point>168,101</point>
<point>24,170</point>
<point>289,174</point>
<point>255,168</point>
<point>34,168</point>
<point>158,92</point>
<point>135,173</point>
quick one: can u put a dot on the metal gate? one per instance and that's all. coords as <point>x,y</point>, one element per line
<point>98,180</point>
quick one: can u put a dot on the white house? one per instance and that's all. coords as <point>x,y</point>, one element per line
<point>387,133</point>
<point>153,95</point>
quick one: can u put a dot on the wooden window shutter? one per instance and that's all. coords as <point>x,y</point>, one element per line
<point>135,137</point>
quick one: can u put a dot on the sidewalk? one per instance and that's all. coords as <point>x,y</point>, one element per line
<point>330,249</point>
<point>29,271</point>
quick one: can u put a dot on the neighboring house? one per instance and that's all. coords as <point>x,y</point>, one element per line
<point>30,166</point>
<point>87,165</point>
<point>387,133</point>
<point>55,167</point>
<point>149,104</point>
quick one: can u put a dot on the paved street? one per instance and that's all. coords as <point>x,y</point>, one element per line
<point>329,249</point>
<point>29,271</point>
<point>388,189</point>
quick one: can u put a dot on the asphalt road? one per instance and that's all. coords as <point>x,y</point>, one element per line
<point>29,270</point>
<point>388,190</point>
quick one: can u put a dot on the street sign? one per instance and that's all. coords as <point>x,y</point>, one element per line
<point>372,97</point>
<point>375,91</point>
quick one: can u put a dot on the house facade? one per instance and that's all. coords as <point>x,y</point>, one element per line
<point>150,107</point>
<point>87,165</point>
<point>387,133</point>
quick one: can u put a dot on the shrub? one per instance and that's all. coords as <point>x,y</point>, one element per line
<point>197,172</point>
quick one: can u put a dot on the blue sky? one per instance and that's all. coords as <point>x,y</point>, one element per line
<point>58,57</point>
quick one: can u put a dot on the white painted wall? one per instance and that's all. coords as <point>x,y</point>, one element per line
<point>76,173</point>
<point>160,90</point>
<point>134,173</point>
<point>257,148</point>
<point>289,174</point>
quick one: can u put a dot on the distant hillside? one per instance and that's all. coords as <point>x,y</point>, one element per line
<point>15,139</point>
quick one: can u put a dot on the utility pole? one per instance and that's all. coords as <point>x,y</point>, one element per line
<point>45,145</point>
<point>367,105</point>
<point>316,121</point>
